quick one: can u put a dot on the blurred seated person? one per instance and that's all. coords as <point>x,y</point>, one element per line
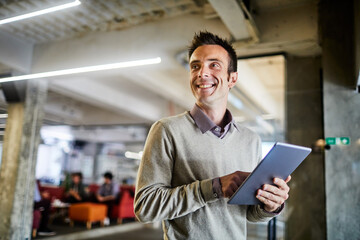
<point>42,202</point>
<point>108,193</point>
<point>76,192</point>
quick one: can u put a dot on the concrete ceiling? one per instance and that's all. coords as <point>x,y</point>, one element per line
<point>90,16</point>
<point>100,32</point>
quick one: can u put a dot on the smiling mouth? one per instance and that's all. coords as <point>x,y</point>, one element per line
<point>204,86</point>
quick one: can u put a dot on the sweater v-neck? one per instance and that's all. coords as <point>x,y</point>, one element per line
<point>205,124</point>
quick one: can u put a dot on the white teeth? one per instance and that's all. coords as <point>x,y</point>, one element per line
<point>205,86</point>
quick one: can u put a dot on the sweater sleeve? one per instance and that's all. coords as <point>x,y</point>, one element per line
<point>256,213</point>
<point>155,198</point>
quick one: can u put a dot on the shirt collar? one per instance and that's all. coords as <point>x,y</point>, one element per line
<point>205,124</point>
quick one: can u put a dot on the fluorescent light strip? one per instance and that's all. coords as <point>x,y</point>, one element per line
<point>40,12</point>
<point>83,69</point>
<point>133,155</point>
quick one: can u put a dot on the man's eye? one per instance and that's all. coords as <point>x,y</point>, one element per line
<point>194,67</point>
<point>215,65</point>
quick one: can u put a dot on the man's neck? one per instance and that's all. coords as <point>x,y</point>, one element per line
<point>216,114</point>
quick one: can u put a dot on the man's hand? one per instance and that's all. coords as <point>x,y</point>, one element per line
<point>75,194</point>
<point>230,183</point>
<point>274,196</point>
<point>100,198</point>
<point>45,195</point>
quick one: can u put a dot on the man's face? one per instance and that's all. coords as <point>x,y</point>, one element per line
<point>76,179</point>
<point>107,180</point>
<point>209,78</point>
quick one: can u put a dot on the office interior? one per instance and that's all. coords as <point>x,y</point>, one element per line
<point>81,87</point>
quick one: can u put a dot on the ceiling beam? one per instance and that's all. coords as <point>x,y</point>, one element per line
<point>231,14</point>
<point>15,53</point>
<point>293,30</point>
<point>98,94</point>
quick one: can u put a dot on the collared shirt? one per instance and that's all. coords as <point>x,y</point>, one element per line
<point>111,189</point>
<point>205,124</point>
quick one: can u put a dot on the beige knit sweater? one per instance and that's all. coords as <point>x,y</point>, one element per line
<point>174,182</point>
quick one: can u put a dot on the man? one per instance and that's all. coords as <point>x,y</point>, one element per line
<point>178,180</point>
<point>76,192</point>
<point>107,194</point>
<point>42,203</point>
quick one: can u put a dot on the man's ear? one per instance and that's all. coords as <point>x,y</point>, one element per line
<point>233,79</point>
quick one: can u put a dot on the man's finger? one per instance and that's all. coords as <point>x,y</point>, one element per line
<point>236,179</point>
<point>229,192</point>
<point>239,177</point>
<point>271,197</point>
<point>269,205</point>
<point>288,179</point>
<point>276,191</point>
<point>281,184</point>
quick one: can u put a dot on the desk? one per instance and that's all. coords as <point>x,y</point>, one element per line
<point>60,210</point>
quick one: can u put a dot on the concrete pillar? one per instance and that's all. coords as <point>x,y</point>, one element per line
<point>304,125</point>
<point>17,175</point>
<point>96,174</point>
<point>341,117</point>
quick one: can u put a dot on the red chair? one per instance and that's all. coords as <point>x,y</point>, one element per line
<point>125,208</point>
<point>93,188</point>
<point>54,192</point>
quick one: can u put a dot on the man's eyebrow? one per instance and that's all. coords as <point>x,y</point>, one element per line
<point>210,59</point>
<point>214,59</point>
<point>194,61</point>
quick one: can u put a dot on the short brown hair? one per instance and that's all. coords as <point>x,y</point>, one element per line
<point>79,174</point>
<point>206,38</point>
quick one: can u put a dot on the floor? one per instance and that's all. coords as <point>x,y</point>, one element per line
<point>129,230</point>
<point>143,234</point>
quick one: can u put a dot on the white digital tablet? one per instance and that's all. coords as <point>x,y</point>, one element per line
<point>280,162</point>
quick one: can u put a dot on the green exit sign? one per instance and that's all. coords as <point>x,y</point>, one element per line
<point>337,141</point>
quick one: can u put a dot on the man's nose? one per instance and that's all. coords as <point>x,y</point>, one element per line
<point>204,72</point>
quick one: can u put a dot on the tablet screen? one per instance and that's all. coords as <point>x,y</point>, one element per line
<point>280,162</point>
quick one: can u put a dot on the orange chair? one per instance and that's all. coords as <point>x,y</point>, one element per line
<point>87,212</point>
